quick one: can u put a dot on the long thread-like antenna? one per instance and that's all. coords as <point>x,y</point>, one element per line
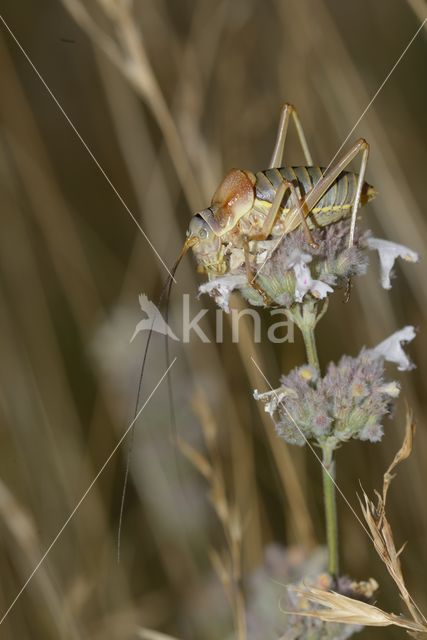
<point>166,289</point>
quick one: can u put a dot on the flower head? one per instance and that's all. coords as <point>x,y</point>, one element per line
<point>350,401</point>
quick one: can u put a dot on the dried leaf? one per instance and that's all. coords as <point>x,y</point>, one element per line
<point>219,501</point>
<point>403,453</point>
<point>345,610</point>
<point>222,570</point>
<point>381,531</point>
<point>235,525</point>
<point>149,634</point>
<point>203,411</point>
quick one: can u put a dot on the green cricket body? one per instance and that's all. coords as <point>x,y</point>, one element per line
<point>333,206</point>
<point>243,200</point>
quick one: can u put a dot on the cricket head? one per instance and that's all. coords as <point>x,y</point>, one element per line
<point>207,246</point>
<point>234,198</point>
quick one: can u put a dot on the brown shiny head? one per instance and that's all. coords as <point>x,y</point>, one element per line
<point>234,198</point>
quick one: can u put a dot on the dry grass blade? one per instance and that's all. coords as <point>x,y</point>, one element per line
<point>341,609</point>
<point>228,566</point>
<point>218,494</point>
<point>149,634</point>
<point>128,54</point>
<point>403,453</point>
<point>380,528</point>
<point>19,531</point>
<point>222,570</point>
<point>419,8</point>
<point>198,461</point>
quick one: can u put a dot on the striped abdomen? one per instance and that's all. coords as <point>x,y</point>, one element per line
<point>336,202</point>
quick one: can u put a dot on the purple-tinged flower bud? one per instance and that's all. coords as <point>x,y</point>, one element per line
<point>350,401</point>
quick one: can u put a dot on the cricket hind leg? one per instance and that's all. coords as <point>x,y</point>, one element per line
<point>268,225</point>
<point>288,111</point>
<point>360,146</point>
<point>364,147</point>
<point>313,196</point>
<point>310,200</point>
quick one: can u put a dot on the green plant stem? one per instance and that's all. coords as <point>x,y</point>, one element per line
<point>306,321</point>
<point>310,346</point>
<point>329,497</point>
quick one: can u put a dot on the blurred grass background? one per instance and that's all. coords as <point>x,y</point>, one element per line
<point>168,96</point>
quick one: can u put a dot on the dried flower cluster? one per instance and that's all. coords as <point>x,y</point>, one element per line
<point>350,401</point>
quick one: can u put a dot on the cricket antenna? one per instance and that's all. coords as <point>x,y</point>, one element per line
<point>166,289</point>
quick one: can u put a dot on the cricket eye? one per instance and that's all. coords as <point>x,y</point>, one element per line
<point>198,228</point>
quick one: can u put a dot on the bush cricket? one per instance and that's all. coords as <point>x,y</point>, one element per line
<point>268,204</point>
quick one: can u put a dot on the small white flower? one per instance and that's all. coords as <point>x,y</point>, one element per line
<point>391,348</point>
<point>388,252</point>
<point>304,281</point>
<point>391,389</point>
<point>320,289</point>
<point>272,399</point>
<point>222,289</point>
